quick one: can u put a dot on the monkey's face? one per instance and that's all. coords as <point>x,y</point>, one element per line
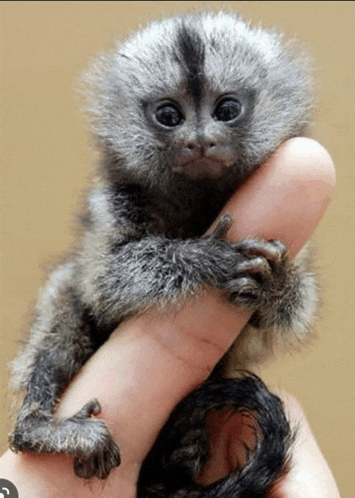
<point>198,97</point>
<point>203,136</point>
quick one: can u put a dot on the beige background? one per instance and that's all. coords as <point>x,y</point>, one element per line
<point>46,161</point>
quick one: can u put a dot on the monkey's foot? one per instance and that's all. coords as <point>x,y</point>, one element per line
<point>87,439</point>
<point>97,453</point>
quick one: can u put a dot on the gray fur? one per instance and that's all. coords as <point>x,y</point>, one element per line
<point>160,188</point>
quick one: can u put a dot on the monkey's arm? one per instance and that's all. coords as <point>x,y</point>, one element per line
<point>125,274</point>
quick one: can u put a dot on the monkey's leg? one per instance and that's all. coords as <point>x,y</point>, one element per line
<point>250,465</point>
<point>58,347</point>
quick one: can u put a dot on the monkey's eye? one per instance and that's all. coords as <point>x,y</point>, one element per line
<point>169,115</point>
<point>227,110</point>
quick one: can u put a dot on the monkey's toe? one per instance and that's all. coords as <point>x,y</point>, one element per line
<point>92,407</point>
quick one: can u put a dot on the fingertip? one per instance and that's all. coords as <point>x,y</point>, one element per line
<point>307,159</point>
<point>286,197</point>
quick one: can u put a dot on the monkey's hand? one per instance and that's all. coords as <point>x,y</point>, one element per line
<point>88,440</point>
<point>281,293</point>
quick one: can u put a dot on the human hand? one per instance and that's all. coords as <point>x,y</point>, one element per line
<point>309,475</point>
<point>152,361</point>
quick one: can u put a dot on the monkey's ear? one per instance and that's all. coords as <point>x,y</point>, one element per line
<point>102,88</point>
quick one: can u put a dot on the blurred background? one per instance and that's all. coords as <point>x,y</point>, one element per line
<point>47,160</point>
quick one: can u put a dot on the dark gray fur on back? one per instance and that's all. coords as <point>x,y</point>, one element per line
<point>158,190</point>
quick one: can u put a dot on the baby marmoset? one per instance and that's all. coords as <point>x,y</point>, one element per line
<point>183,113</point>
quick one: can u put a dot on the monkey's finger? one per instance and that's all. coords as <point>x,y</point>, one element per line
<point>223,225</point>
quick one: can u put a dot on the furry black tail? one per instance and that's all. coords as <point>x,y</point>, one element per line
<point>175,463</point>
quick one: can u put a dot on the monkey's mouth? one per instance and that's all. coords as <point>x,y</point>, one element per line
<point>203,167</point>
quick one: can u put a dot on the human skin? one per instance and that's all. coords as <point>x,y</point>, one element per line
<point>154,360</point>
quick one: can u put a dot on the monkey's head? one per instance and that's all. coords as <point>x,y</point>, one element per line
<point>196,97</point>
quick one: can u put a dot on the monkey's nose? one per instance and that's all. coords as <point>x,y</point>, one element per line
<point>191,151</point>
<point>201,144</point>
<point>195,149</point>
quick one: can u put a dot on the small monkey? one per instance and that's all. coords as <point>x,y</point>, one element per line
<point>183,112</point>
